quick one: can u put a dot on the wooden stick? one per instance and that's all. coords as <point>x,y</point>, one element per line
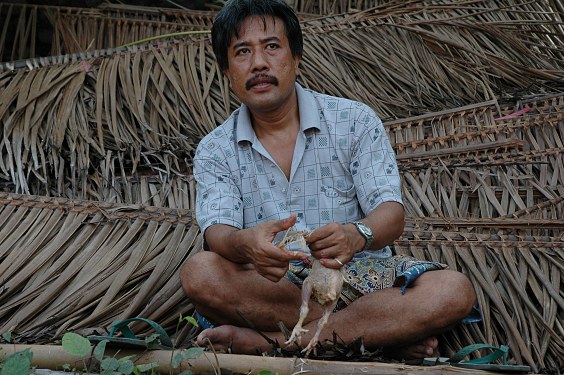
<point>53,357</point>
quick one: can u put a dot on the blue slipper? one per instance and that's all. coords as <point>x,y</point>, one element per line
<point>129,339</point>
<point>483,363</point>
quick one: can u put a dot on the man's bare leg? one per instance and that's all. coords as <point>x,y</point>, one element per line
<point>436,301</point>
<point>237,290</point>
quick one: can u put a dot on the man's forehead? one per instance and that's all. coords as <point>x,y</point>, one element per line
<point>267,23</point>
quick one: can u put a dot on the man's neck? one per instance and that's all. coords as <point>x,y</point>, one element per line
<point>277,132</point>
<point>282,120</point>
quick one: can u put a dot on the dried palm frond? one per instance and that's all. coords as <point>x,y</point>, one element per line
<point>73,265</point>
<point>517,279</point>
<point>471,95</point>
<point>149,106</point>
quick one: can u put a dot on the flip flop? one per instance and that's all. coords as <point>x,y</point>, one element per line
<point>129,339</point>
<point>483,363</point>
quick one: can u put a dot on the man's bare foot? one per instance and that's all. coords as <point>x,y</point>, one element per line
<point>237,340</point>
<point>231,339</point>
<point>415,352</point>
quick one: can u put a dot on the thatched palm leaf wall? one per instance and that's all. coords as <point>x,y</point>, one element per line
<point>471,95</point>
<point>85,264</point>
<point>518,279</point>
<point>151,106</point>
<point>78,30</point>
<point>467,163</point>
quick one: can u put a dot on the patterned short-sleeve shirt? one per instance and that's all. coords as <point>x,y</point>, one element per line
<point>343,167</point>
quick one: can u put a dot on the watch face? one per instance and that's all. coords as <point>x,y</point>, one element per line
<point>365,230</point>
<point>366,233</point>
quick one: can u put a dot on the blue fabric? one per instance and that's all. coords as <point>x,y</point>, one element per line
<point>475,316</point>
<point>203,322</point>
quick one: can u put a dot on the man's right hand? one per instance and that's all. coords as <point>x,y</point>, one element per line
<point>254,246</point>
<point>269,260</point>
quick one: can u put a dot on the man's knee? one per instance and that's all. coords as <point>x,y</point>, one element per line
<point>459,293</point>
<point>453,293</point>
<point>195,272</point>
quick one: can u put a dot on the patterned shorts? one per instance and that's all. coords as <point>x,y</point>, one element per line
<point>363,276</point>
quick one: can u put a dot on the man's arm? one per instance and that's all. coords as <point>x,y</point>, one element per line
<point>254,246</point>
<point>387,224</point>
<point>374,172</point>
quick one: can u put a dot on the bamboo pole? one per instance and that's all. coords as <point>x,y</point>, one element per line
<point>53,357</point>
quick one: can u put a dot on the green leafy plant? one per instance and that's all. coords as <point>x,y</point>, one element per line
<point>7,336</point>
<point>80,346</point>
<point>76,345</point>
<point>18,363</point>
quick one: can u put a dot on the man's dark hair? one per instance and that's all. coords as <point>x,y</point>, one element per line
<point>228,24</point>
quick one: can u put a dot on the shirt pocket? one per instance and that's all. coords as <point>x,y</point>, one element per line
<point>341,197</point>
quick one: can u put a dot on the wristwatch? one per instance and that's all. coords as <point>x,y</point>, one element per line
<point>366,232</point>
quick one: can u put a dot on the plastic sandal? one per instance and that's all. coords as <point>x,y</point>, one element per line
<point>129,339</point>
<point>482,363</point>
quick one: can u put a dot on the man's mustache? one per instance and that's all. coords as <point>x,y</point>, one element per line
<point>261,78</point>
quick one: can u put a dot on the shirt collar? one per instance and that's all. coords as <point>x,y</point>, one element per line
<point>309,117</point>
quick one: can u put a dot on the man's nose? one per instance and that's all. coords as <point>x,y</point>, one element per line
<point>260,61</point>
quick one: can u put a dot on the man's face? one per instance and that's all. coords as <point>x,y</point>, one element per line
<point>262,70</point>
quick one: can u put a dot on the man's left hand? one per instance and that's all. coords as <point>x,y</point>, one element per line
<point>332,244</point>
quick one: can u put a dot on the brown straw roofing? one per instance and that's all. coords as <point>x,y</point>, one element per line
<point>472,94</point>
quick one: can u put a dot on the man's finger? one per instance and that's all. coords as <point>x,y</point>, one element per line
<point>298,255</point>
<point>287,223</point>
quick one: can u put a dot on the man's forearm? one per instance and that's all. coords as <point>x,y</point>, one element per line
<point>226,241</point>
<point>387,224</point>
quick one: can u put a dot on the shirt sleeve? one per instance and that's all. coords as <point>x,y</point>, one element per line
<point>218,198</point>
<point>373,163</point>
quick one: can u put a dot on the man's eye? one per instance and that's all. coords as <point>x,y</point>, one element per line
<point>242,51</point>
<point>272,46</point>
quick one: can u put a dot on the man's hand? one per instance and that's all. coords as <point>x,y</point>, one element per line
<point>332,244</point>
<point>269,260</point>
<point>336,244</point>
<point>254,246</point>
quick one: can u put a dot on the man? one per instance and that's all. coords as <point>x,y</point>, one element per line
<point>294,158</point>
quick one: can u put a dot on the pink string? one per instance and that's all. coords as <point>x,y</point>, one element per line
<point>85,65</point>
<point>515,114</point>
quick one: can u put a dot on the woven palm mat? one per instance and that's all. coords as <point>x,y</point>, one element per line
<point>74,265</point>
<point>80,265</point>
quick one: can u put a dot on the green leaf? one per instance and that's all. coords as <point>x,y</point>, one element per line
<point>187,372</point>
<point>191,320</point>
<point>100,349</point>
<point>265,372</point>
<point>147,367</point>
<point>17,363</point>
<point>75,344</point>
<point>125,366</point>
<point>7,336</point>
<point>109,364</point>
<point>186,354</point>
<point>153,341</point>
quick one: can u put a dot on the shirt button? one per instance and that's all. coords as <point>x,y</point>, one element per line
<point>283,190</point>
<point>297,189</point>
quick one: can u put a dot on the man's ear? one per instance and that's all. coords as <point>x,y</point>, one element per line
<point>226,73</point>
<point>297,64</point>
